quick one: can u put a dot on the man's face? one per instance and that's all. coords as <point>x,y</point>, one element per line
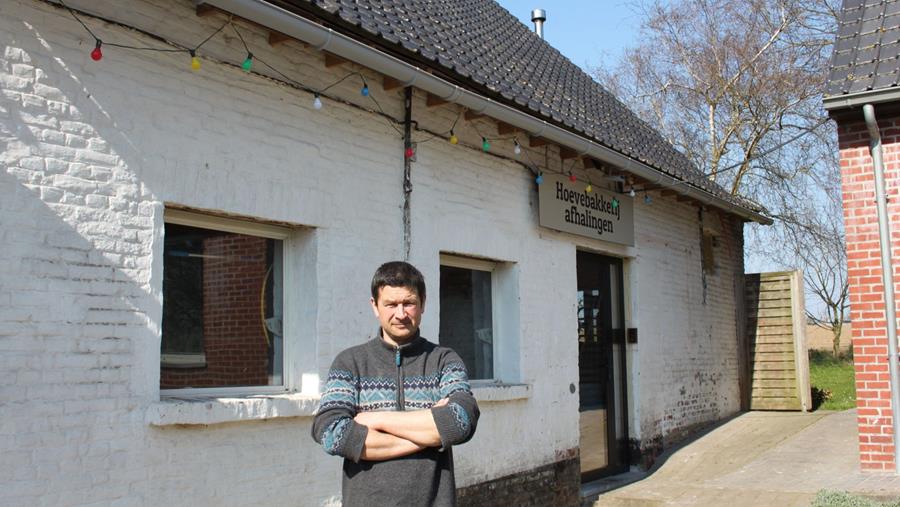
<point>399,311</point>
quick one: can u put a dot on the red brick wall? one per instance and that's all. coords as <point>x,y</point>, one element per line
<point>234,341</point>
<point>554,484</point>
<point>869,333</point>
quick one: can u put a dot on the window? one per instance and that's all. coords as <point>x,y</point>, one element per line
<point>466,318</point>
<point>222,303</point>
<point>479,316</point>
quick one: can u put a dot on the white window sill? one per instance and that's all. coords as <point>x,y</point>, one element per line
<point>215,410</point>
<point>183,360</point>
<point>491,392</point>
<point>200,410</point>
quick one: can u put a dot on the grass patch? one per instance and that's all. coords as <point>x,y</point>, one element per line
<point>832,381</point>
<point>843,499</point>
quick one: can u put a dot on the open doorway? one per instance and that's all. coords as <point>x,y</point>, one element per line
<point>601,366</point>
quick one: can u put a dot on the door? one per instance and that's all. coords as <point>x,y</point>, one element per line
<point>601,366</point>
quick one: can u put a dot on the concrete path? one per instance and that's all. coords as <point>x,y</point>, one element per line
<point>757,458</point>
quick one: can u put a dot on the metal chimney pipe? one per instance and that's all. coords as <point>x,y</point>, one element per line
<point>538,16</point>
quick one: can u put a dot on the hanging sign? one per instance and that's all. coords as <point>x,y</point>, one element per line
<point>599,214</point>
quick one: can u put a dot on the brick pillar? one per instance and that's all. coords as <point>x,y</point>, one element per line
<point>869,334</point>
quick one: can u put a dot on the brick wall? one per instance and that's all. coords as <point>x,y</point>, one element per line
<point>554,484</point>
<point>234,342</point>
<point>869,334</point>
<point>688,366</point>
<point>93,151</point>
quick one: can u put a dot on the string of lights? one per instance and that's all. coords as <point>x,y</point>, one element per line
<point>318,93</point>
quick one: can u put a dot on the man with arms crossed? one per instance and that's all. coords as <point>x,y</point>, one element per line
<point>395,405</point>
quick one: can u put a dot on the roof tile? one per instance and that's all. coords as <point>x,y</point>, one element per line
<point>885,80</point>
<point>866,47</point>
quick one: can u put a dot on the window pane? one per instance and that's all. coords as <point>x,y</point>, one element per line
<point>614,296</point>
<point>466,324</point>
<point>221,309</point>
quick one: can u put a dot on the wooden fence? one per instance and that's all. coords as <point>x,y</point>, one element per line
<point>776,332</point>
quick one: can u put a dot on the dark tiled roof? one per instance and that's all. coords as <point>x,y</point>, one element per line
<point>867,49</point>
<point>480,44</point>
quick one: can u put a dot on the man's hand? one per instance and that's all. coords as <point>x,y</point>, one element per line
<point>369,419</point>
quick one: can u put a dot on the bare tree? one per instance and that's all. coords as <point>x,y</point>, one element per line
<point>736,85</point>
<point>825,276</point>
<point>818,249</point>
<point>728,80</point>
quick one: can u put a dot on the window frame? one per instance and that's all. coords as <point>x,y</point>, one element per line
<point>247,227</point>
<point>505,332</point>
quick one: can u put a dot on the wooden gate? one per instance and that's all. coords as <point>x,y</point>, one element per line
<point>776,331</point>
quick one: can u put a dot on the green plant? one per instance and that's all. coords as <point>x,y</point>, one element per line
<point>826,498</point>
<point>819,396</point>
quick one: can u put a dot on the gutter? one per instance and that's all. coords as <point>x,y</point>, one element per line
<point>327,39</point>
<point>887,273</point>
<point>861,98</point>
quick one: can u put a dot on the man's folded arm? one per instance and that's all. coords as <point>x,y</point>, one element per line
<point>449,422</point>
<point>416,426</point>
<point>340,435</point>
<point>333,425</point>
<point>455,421</point>
<point>382,446</point>
<point>347,438</point>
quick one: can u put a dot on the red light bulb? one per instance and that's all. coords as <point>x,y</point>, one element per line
<point>572,178</point>
<point>410,153</point>
<point>97,54</point>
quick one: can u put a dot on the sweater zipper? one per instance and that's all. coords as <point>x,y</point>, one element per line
<point>398,358</point>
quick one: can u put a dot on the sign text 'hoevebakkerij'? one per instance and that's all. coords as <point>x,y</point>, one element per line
<point>600,214</point>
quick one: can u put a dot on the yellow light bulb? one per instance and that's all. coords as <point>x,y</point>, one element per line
<point>589,188</point>
<point>195,63</point>
<point>454,139</point>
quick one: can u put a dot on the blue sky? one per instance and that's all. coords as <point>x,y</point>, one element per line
<point>591,32</point>
<point>587,32</point>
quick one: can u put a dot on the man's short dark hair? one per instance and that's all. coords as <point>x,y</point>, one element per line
<point>398,274</point>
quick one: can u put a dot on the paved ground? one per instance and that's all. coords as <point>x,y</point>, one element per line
<point>757,458</point>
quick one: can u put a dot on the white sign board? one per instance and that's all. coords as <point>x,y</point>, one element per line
<point>599,214</point>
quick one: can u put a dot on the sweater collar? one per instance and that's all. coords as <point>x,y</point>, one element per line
<point>408,349</point>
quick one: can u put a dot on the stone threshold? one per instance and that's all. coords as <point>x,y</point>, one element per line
<point>591,491</point>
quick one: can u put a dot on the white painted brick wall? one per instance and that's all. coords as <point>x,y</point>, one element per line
<point>687,361</point>
<point>91,151</point>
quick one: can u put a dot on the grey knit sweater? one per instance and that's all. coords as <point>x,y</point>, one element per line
<point>366,378</point>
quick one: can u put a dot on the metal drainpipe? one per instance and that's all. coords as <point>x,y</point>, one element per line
<point>887,273</point>
<point>407,171</point>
